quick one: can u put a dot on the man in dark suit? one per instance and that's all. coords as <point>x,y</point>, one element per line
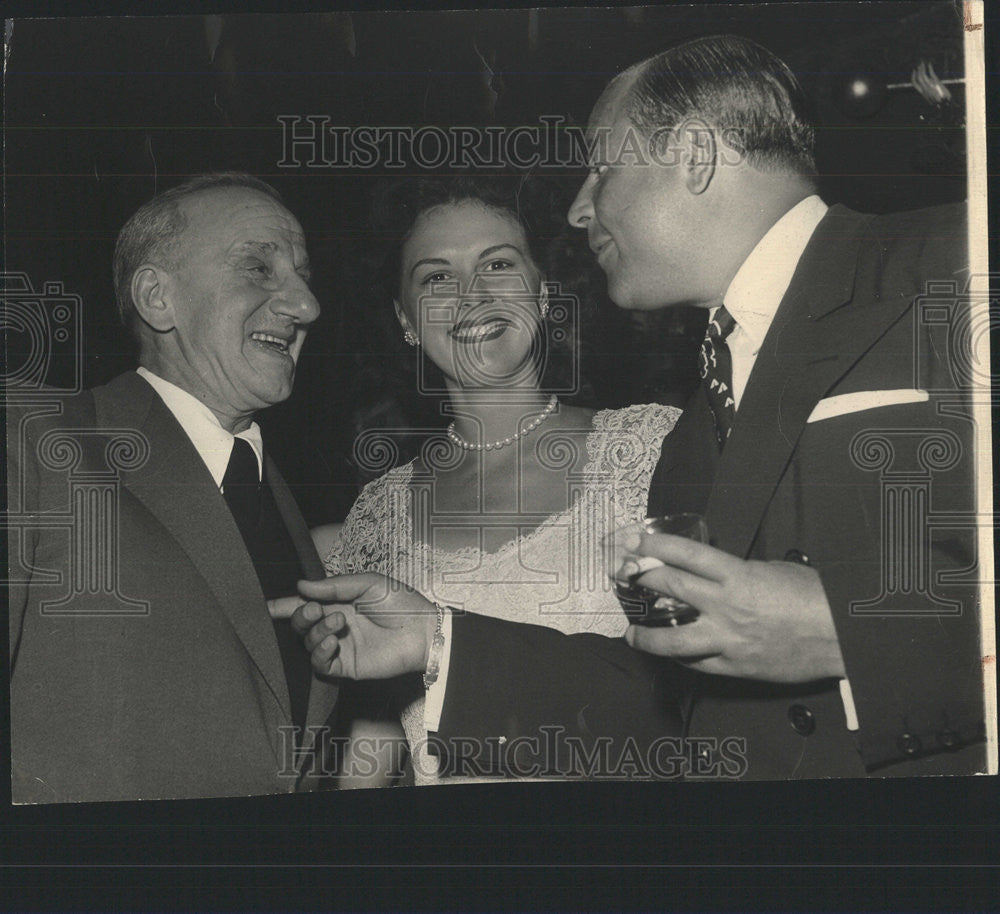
<point>835,636</point>
<point>167,678</point>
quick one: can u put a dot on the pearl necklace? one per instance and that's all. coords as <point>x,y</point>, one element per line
<point>503,442</point>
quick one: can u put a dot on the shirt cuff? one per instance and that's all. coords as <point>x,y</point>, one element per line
<point>434,699</point>
<point>850,713</point>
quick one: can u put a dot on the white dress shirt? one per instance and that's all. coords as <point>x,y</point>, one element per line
<point>212,442</point>
<point>761,283</point>
<point>752,299</point>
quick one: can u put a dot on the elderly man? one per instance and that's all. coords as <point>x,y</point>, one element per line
<point>834,635</point>
<point>196,692</point>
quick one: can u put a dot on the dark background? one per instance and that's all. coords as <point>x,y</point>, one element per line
<point>103,112</point>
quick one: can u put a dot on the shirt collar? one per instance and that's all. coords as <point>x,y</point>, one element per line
<point>762,281</point>
<point>212,442</point>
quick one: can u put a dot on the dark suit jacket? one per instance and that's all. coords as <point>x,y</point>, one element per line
<point>174,686</point>
<point>911,642</point>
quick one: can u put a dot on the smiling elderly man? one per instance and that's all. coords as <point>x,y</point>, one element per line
<point>195,695</point>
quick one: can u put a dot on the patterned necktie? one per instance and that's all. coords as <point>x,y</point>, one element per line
<point>716,366</point>
<point>241,485</point>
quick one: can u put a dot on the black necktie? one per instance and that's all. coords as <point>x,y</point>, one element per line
<point>241,485</point>
<point>716,365</point>
<point>274,559</point>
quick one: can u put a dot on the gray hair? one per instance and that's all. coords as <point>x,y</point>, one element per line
<point>153,230</point>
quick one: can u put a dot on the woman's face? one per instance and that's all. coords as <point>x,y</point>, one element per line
<point>469,290</point>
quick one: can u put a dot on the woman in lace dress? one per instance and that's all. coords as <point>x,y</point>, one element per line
<point>504,513</point>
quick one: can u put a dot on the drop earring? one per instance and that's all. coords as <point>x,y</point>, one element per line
<point>543,302</point>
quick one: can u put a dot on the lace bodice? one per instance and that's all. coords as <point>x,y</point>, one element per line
<point>553,574</point>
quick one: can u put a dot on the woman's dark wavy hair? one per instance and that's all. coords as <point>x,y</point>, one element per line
<point>396,205</point>
<point>387,393</point>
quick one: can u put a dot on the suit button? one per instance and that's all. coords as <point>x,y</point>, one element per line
<point>909,744</point>
<point>948,739</point>
<point>799,558</point>
<point>802,719</point>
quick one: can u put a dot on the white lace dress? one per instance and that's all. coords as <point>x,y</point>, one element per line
<point>552,575</point>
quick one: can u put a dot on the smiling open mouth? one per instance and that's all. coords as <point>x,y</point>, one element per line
<point>268,341</point>
<point>476,333</point>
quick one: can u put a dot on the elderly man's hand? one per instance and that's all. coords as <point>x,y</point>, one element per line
<point>363,626</point>
<point>759,620</point>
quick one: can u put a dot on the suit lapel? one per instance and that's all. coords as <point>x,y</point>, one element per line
<point>175,486</point>
<point>323,692</point>
<point>814,340</point>
<point>294,523</point>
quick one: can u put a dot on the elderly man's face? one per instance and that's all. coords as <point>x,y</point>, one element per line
<point>241,302</point>
<point>641,221</point>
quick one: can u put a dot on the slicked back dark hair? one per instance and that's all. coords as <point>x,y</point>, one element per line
<point>735,86</point>
<point>153,230</point>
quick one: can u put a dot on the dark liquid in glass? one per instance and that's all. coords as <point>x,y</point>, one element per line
<point>643,606</point>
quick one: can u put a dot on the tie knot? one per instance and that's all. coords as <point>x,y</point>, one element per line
<point>721,325</point>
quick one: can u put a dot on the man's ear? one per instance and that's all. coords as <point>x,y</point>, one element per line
<point>700,154</point>
<point>148,295</point>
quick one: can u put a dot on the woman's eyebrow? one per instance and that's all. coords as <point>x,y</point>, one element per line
<point>428,260</point>
<point>499,247</point>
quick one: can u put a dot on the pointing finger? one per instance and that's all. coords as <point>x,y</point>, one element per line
<point>341,588</point>
<point>283,607</point>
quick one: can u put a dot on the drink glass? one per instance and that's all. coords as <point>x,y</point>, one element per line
<point>641,605</point>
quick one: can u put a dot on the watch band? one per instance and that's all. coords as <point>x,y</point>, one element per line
<point>437,649</point>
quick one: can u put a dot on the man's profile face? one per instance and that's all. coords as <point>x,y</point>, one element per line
<point>641,220</point>
<point>241,301</point>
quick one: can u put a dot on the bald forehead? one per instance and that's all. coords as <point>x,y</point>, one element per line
<point>216,203</point>
<point>610,107</point>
